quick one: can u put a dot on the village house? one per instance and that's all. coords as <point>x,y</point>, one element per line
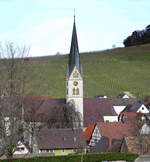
<point>136,145</point>
<point>99,114</point>
<point>21,148</point>
<point>61,141</point>
<point>138,107</point>
<point>111,132</point>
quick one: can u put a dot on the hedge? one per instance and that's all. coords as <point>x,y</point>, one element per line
<point>77,158</point>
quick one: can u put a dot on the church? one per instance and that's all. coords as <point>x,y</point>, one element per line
<point>92,110</point>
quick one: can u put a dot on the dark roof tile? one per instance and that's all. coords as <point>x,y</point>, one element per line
<point>60,138</point>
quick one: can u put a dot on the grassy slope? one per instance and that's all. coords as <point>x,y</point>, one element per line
<point>109,72</point>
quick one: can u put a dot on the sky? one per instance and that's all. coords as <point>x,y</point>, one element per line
<point>46,25</point>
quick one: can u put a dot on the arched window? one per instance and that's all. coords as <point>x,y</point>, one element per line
<point>73,91</point>
<point>77,91</point>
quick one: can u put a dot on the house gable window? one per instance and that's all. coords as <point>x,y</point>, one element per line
<point>65,139</point>
<point>74,139</point>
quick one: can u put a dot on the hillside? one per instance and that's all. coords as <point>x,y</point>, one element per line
<point>109,72</point>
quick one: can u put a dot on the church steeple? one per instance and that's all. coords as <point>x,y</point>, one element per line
<point>74,57</point>
<point>74,79</point>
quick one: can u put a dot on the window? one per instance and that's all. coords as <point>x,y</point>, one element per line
<point>75,150</point>
<point>74,91</point>
<point>74,139</point>
<point>20,148</point>
<point>65,139</point>
<point>77,91</point>
<point>51,151</point>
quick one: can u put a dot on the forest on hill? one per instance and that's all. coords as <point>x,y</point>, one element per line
<point>138,37</point>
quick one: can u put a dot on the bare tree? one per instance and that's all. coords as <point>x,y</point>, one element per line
<point>64,116</point>
<point>13,78</point>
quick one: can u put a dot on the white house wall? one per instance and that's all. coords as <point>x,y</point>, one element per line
<point>110,118</point>
<point>19,150</point>
<point>77,97</point>
<point>143,109</point>
<point>95,137</point>
<point>118,109</point>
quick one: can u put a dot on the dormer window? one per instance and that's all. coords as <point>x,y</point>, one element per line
<point>74,139</point>
<point>65,139</point>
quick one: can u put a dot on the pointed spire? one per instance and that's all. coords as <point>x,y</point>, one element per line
<point>74,58</point>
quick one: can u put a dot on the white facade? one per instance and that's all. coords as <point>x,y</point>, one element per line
<point>125,96</point>
<point>110,118</point>
<point>75,90</point>
<point>96,136</point>
<point>145,129</point>
<point>143,109</point>
<point>119,109</point>
<point>21,149</point>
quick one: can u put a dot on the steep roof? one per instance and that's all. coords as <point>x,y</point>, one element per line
<point>96,108</point>
<point>123,101</point>
<point>60,138</point>
<point>40,108</point>
<point>74,57</point>
<point>115,130</point>
<point>133,108</point>
<point>88,132</point>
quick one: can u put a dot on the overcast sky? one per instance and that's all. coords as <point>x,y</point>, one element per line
<point>46,25</point>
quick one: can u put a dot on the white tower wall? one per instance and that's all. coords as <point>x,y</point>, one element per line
<point>75,90</point>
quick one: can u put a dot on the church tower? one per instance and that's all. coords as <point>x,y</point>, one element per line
<point>74,81</point>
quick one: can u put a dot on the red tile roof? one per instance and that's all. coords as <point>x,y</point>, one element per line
<point>88,132</point>
<point>115,130</point>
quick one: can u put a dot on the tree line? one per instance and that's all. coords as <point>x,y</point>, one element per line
<point>138,37</point>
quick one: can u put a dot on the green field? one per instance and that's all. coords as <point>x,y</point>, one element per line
<point>108,72</point>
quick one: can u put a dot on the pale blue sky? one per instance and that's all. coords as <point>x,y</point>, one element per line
<point>46,25</point>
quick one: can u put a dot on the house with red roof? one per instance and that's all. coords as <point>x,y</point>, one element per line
<point>113,132</point>
<point>88,133</point>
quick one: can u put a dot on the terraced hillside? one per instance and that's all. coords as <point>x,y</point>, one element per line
<point>108,72</point>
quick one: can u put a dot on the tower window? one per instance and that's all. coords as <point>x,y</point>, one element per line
<point>75,91</point>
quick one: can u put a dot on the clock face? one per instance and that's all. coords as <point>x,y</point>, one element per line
<point>75,83</point>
